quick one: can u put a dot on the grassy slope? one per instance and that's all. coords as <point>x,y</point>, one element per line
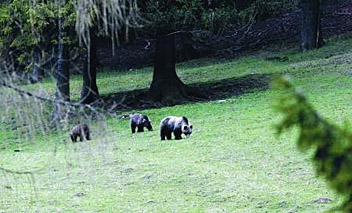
<point>233,162</point>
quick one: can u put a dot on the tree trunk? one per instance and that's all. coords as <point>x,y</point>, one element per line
<point>311,27</point>
<point>166,85</point>
<point>38,72</point>
<point>62,76</point>
<point>90,92</point>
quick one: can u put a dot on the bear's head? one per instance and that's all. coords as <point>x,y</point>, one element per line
<point>147,123</point>
<point>187,129</point>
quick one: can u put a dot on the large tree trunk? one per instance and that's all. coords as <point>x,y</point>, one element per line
<point>311,27</point>
<point>166,85</point>
<point>90,92</point>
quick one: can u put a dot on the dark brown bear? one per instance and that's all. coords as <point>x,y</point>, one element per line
<point>82,131</point>
<point>176,125</point>
<point>140,121</point>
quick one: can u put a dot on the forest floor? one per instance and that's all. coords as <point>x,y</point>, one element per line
<point>233,162</point>
<point>275,33</point>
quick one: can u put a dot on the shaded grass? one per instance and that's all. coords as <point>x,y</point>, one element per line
<point>213,70</point>
<point>193,72</point>
<point>233,162</point>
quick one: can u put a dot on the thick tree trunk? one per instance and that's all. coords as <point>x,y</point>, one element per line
<point>166,85</point>
<point>311,27</point>
<point>90,92</point>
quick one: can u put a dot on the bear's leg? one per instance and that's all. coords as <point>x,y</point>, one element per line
<point>88,135</point>
<point>168,135</point>
<point>177,135</point>
<point>133,128</point>
<point>74,138</point>
<point>162,134</point>
<point>140,128</point>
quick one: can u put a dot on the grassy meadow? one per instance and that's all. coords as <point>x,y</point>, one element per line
<point>233,161</point>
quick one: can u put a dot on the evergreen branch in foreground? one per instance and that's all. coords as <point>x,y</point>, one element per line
<point>332,145</point>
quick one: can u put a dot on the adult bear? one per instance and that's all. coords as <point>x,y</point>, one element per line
<point>82,131</point>
<point>140,121</point>
<point>177,125</point>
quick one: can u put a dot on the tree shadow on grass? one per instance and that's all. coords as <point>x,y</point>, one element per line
<point>215,90</point>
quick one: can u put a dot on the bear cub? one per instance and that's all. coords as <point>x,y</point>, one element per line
<point>176,125</point>
<point>82,131</point>
<point>140,121</point>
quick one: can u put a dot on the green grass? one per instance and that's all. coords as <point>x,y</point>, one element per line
<point>233,162</point>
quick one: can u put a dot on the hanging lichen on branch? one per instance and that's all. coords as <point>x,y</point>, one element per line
<point>108,16</point>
